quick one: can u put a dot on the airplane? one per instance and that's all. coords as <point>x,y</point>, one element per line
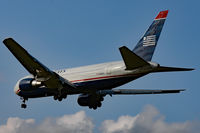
<point>93,82</point>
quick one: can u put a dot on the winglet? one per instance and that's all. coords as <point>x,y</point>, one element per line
<point>162,15</point>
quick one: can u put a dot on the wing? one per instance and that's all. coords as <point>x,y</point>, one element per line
<point>136,91</point>
<point>41,73</point>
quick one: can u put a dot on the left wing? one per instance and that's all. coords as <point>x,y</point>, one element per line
<point>136,91</point>
<point>40,72</point>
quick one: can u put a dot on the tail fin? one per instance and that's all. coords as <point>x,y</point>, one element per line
<point>147,44</point>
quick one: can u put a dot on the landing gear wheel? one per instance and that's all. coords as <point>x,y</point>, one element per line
<point>99,104</point>
<point>101,98</point>
<point>55,97</point>
<point>60,95</point>
<point>23,105</point>
<point>95,107</point>
<point>65,96</point>
<point>59,98</point>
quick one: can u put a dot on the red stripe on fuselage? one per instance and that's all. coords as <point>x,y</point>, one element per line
<point>103,77</point>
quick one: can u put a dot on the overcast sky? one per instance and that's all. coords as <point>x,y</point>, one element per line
<point>65,34</point>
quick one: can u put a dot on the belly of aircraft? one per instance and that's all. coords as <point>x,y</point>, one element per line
<point>105,83</point>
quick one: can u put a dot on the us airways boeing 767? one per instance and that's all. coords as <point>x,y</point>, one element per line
<point>93,82</point>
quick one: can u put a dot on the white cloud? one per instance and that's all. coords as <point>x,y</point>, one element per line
<point>75,123</point>
<point>15,124</point>
<point>148,121</point>
<point>124,123</point>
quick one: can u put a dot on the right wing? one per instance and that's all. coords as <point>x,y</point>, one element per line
<point>136,91</point>
<point>40,72</point>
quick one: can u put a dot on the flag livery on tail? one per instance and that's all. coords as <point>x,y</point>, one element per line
<point>147,44</point>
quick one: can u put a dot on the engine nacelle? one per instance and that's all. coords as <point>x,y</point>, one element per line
<point>36,83</point>
<point>29,84</point>
<point>84,100</point>
<point>92,101</point>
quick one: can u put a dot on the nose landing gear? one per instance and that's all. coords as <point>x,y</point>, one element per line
<point>23,105</point>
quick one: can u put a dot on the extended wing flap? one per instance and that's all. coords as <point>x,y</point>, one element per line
<point>136,91</point>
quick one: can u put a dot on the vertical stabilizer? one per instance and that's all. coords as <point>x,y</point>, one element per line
<point>147,44</point>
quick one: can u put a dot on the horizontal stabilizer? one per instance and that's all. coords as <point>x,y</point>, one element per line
<point>131,60</point>
<point>136,91</point>
<point>171,69</point>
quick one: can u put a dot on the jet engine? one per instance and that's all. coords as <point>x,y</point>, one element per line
<point>29,84</point>
<point>92,101</point>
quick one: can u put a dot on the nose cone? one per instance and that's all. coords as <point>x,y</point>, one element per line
<point>16,88</point>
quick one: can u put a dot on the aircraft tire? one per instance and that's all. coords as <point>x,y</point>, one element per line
<point>60,99</point>
<point>23,106</point>
<point>101,99</point>
<point>65,96</point>
<point>95,107</point>
<point>99,104</point>
<point>55,97</point>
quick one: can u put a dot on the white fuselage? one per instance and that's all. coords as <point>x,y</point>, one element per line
<point>102,71</point>
<point>98,76</point>
<point>95,77</point>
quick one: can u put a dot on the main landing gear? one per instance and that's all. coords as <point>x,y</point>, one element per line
<point>97,104</point>
<point>59,98</point>
<point>23,105</point>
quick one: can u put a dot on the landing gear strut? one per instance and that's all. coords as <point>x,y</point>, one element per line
<point>23,105</point>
